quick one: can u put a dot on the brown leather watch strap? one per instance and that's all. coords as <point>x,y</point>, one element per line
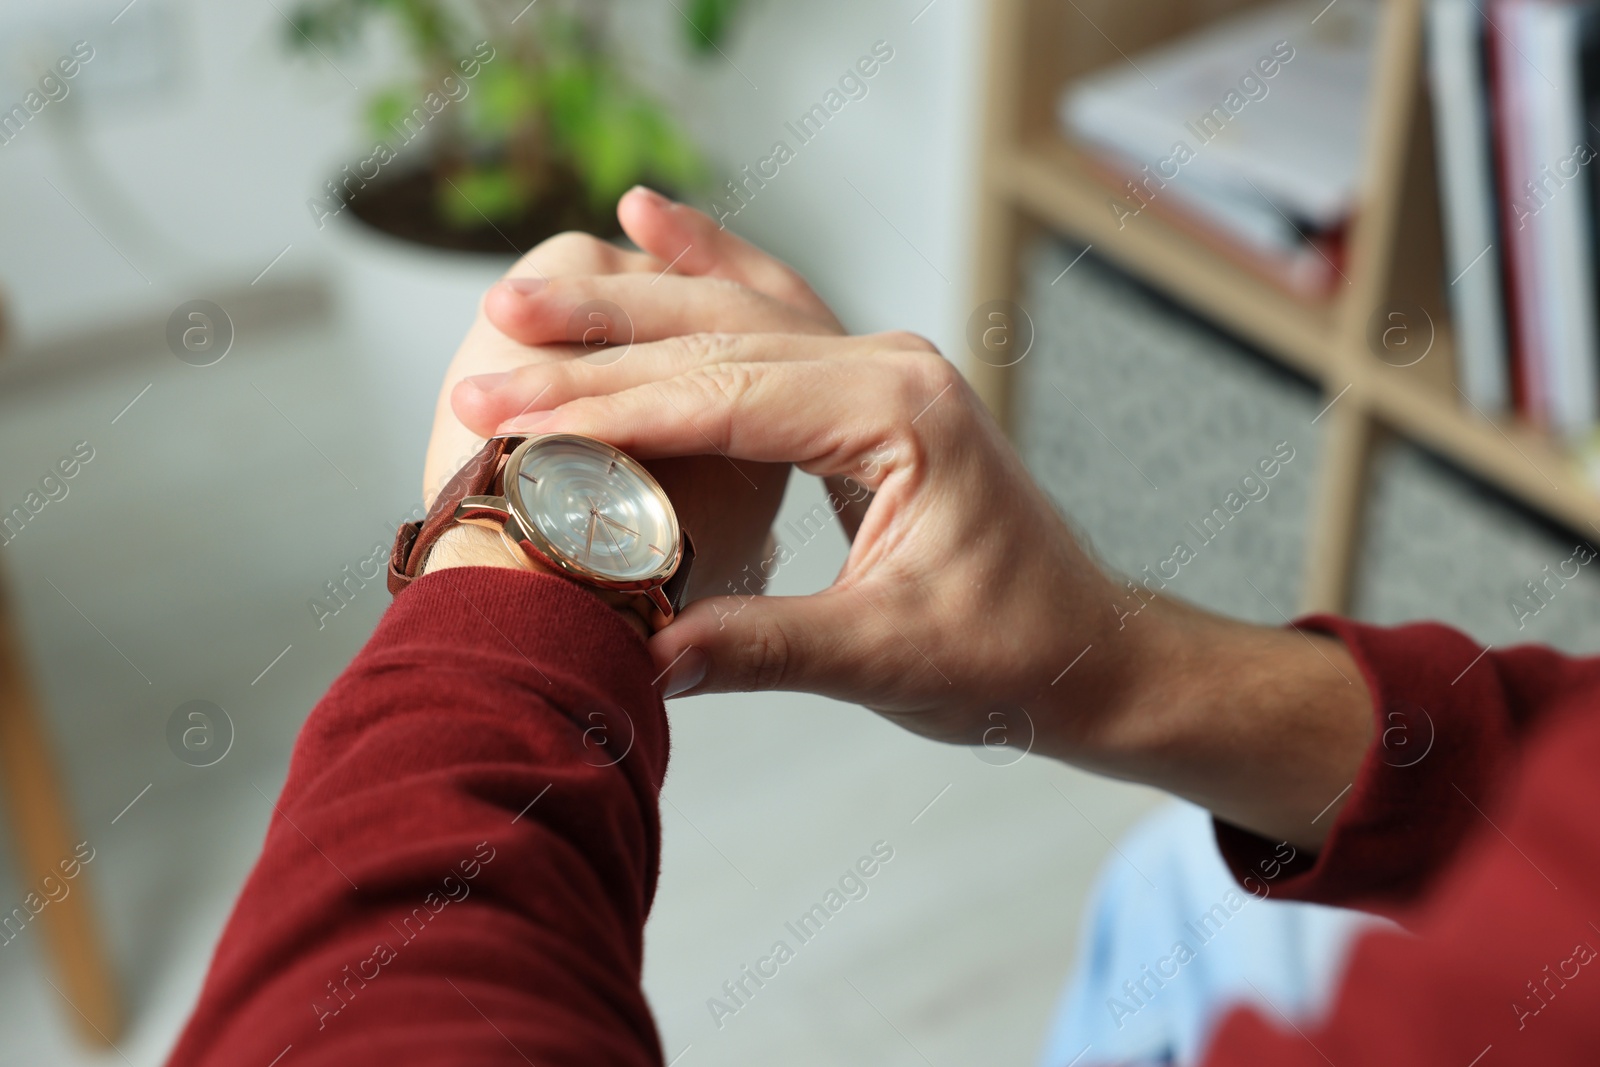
<point>677,587</point>
<point>414,539</point>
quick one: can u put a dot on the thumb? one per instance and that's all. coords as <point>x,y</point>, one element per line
<point>737,644</point>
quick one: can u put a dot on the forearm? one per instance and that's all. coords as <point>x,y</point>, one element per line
<point>1265,727</point>
<point>1375,751</point>
<point>460,864</point>
<point>1497,813</point>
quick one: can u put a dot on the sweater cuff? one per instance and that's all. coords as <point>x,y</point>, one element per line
<point>559,643</point>
<point>535,617</point>
<point>1439,735</point>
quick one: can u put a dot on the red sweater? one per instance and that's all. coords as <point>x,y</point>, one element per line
<point>460,866</point>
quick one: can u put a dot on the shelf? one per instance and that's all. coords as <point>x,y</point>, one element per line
<point>1034,176</point>
<point>1051,180</point>
<point>1522,462</point>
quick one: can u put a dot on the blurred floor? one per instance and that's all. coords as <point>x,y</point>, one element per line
<point>177,568</point>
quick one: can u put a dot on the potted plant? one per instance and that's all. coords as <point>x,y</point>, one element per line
<point>512,121</point>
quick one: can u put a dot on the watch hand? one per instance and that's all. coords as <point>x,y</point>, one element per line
<point>594,514</point>
<point>614,544</point>
<point>613,522</point>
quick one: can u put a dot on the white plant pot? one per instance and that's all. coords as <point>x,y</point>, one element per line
<point>407,306</point>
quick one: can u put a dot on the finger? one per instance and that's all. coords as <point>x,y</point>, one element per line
<point>492,403</point>
<point>694,244</point>
<point>574,254</point>
<point>621,308</point>
<point>486,350</point>
<point>827,416</point>
<point>744,643</point>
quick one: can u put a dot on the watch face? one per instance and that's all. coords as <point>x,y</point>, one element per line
<point>595,507</point>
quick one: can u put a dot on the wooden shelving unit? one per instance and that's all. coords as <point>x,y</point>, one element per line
<point>1033,178</point>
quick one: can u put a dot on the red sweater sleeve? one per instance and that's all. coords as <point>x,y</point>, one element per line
<point>463,856</point>
<point>1482,842</point>
<point>459,872</point>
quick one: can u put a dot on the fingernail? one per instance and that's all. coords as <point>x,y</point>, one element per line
<point>526,286</point>
<point>487,383</point>
<point>523,423</point>
<point>688,672</point>
<point>654,197</point>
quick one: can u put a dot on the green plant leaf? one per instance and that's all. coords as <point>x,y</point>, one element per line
<point>672,159</point>
<point>472,195</point>
<point>334,23</point>
<point>505,97</point>
<point>385,110</point>
<point>709,21</point>
<point>574,91</point>
<point>554,97</point>
<point>611,151</point>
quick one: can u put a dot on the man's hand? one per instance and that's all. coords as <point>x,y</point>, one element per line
<point>966,604</point>
<point>486,350</point>
<point>530,319</point>
<point>962,584</point>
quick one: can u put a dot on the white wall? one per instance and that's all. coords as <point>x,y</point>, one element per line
<point>207,138</point>
<point>908,148</point>
<point>193,177</point>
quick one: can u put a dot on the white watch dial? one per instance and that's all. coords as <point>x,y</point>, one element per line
<point>596,509</point>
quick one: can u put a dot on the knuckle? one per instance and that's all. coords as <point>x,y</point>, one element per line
<point>923,376</point>
<point>711,347</point>
<point>938,372</point>
<point>724,287</point>
<point>695,352</point>
<point>570,251</point>
<point>726,382</point>
<point>907,341</point>
<point>782,282</point>
<point>571,242</point>
<point>793,289</point>
<point>680,351</point>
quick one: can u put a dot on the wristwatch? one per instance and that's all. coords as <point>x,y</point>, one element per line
<point>578,506</point>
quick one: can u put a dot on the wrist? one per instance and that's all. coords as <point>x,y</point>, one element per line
<point>1265,726</point>
<point>466,545</point>
<point>1112,705</point>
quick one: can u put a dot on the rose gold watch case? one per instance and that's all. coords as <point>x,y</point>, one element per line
<point>508,514</point>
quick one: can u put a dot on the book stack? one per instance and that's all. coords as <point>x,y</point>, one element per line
<point>1247,134</point>
<point>1516,84</point>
